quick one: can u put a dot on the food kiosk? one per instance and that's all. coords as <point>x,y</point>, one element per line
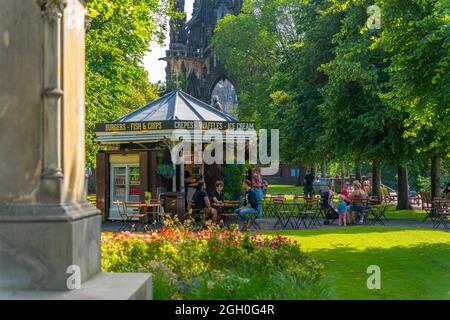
<point>137,157</point>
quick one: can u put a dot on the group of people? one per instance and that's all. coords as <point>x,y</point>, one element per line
<point>351,203</point>
<point>211,206</point>
<point>350,206</point>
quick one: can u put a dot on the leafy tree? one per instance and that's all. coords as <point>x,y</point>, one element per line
<point>416,34</point>
<point>251,45</point>
<point>119,35</point>
<point>299,78</point>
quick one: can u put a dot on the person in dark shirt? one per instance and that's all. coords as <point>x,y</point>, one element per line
<point>308,187</point>
<point>218,197</point>
<point>250,206</point>
<point>202,204</point>
<point>446,191</point>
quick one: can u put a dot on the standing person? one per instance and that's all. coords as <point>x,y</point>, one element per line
<point>342,210</point>
<point>357,197</point>
<point>202,203</point>
<point>446,191</point>
<point>308,187</point>
<point>218,197</point>
<point>367,186</point>
<point>265,187</point>
<point>257,186</point>
<point>250,204</point>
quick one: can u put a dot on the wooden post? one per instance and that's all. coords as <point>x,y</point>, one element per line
<point>102,183</point>
<point>143,175</point>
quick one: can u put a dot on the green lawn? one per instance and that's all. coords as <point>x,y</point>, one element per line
<point>415,263</point>
<point>416,215</point>
<point>284,189</point>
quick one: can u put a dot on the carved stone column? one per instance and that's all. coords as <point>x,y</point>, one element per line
<point>47,226</point>
<point>52,173</point>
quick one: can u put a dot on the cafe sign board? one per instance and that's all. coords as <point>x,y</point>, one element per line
<point>173,125</point>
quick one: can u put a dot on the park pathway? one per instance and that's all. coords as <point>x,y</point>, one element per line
<point>267,224</point>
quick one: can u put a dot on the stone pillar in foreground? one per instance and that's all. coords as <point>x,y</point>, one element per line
<point>46,222</point>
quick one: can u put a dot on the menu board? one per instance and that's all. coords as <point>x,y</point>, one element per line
<point>173,125</point>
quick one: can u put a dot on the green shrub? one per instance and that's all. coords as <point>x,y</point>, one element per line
<point>215,264</point>
<point>232,176</point>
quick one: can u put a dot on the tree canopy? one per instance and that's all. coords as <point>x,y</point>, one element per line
<point>338,85</point>
<point>119,35</point>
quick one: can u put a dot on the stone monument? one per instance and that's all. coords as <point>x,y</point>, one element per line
<point>48,229</point>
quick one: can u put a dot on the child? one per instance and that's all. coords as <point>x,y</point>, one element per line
<point>342,210</point>
<point>218,197</point>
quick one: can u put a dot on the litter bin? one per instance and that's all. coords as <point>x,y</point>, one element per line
<point>174,204</point>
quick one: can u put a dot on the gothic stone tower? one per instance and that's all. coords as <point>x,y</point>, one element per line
<point>190,53</point>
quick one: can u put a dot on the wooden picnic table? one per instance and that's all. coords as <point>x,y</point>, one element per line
<point>145,210</point>
<point>228,211</point>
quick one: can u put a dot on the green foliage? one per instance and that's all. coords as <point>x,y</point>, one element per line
<point>166,171</point>
<point>339,92</point>
<point>424,184</point>
<point>215,264</point>
<point>232,176</point>
<point>416,36</point>
<point>119,35</point>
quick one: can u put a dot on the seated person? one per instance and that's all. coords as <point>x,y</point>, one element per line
<point>446,192</point>
<point>257,187</point>
<point>202,204</point>
<point>250,204</point>
<point>357,197</point>
<point>218,197</point>
<point>346,192</point>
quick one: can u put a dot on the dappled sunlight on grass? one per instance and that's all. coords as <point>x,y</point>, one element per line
<point>284,189</point>
<point>414,263</point>
<point>364,238</point>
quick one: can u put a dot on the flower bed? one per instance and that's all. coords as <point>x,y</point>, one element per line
<point>215,264</point>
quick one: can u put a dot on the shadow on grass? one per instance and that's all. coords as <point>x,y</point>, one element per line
<point>351,230</point>
<point>407,272</point>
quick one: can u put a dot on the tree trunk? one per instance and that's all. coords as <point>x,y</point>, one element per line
<point>323,169</point>
<point>376,178</point>
<point>313,170</point>
<point>301,175</point>
<point>435,177</point>
<point>343,169</point>
<point>403,189</point>
<point>358,175</point>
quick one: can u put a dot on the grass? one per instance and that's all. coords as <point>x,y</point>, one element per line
<point>414,263</point>
<point>284,189</point>
<point>413,215</point>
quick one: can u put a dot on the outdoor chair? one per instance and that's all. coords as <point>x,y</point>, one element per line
<point>442,212</point>
<point>199,218</point>
<point>133,211</point>
<point>427,206</point>
<point>329,215</point>
<point>253,218</point>
<point>311,213</point>
<point>121,210</point>
<point>392,198</point>
<point>251,223</point>
<point>279,210</point>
